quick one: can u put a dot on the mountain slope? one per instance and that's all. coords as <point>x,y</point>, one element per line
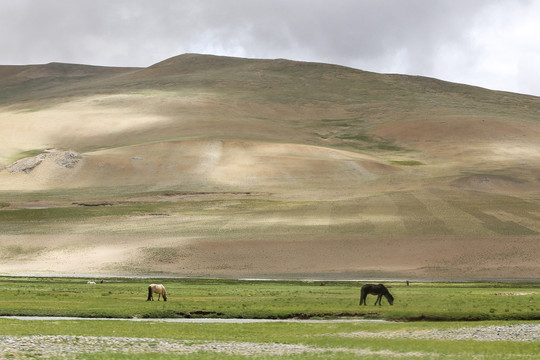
<point>287,161</point>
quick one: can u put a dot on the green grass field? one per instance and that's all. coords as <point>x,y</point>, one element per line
<point>441,307</point>
<point>125,298</point>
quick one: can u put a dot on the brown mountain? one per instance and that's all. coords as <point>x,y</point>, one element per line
<point>207,165</point>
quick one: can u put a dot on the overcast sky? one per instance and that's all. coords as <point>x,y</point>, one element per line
<point>489,43</point>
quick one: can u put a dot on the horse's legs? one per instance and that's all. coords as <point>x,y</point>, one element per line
<point>379,297</point>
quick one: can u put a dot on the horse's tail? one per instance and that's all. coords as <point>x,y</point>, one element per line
<point>362,295</point>
<point>149,293</point>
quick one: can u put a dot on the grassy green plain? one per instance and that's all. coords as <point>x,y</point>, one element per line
<point>223,298</point>
<point>418,307</point>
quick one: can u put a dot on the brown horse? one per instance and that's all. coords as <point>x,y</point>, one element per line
<point>158,289</point>
<point>380,290</point>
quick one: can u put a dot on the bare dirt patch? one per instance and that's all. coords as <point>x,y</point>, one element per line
<point>76,254</point>
<point>348,258</point>
<point>79,120</point>
<point>457,128</point>
<point>492,183</point>
<point>517,293</point>
<point>236,167</point>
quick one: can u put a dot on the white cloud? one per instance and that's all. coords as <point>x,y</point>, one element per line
<point>490,43</point>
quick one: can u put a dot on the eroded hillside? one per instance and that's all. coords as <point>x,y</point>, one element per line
<point>227,166</point>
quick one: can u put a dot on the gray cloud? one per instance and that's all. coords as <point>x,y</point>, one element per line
<point>490,43</point>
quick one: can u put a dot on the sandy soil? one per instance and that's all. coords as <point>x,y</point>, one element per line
<point>405,258</point>
<point>77,120</point>
<point>292,172</point>
<point>240,165</point>
<point>353,259</point>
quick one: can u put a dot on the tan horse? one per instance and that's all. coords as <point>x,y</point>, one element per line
<point>158,289</point>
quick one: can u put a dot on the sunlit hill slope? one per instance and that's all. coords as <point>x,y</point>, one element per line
<point>206,165</point>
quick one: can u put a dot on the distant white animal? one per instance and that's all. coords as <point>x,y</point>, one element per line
<point>91,282</point>
<point>158,289</point>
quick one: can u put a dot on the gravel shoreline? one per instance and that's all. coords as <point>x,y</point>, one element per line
<point>67,346</point>
<point>46,346</point>
<point>520,332</point>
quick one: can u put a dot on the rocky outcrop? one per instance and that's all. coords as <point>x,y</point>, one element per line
<point>67,159</point>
